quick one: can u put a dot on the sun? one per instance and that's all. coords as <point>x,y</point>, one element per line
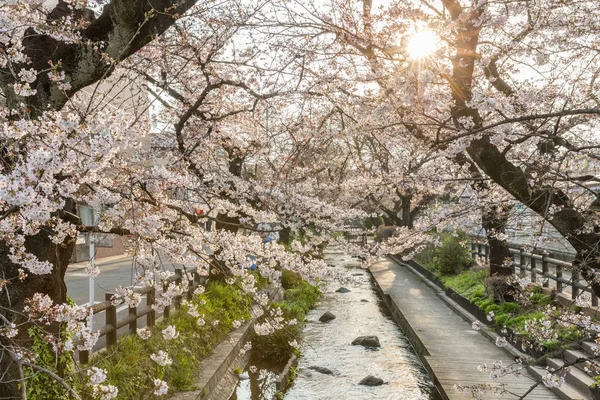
<point>422,44</point>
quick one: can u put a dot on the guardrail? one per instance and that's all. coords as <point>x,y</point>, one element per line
<point>112,324</point>
<point>551,268</point>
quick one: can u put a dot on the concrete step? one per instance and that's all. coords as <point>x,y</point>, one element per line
<point>571,356</point>
<point>576,377</point>
<point>590,347</point>
<point>565,391</point>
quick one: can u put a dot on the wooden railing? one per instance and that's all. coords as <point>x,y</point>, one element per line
<point>112,324</point>
<point>528,263</point>
<point>356,235</point>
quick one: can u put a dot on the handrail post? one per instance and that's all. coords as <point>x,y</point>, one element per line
<point>84,356</point>
<point>486,252</point>
<point>133,323</point>
<point>191,288</point>
<point>533,269</point>
<point>513,263</point>
<point>522,261</point>
<point>196,278</point>
<point>111,319</point>
<point>151,316</point>
<point>177,299</point>
<point>559,275</point>
<point>575,281</point>
<point>167,310</point>
<point>190,285</point>
<point>545,271</point>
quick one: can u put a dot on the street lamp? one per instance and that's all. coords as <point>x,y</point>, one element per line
<point>91,280</point>
<point>90,218</point>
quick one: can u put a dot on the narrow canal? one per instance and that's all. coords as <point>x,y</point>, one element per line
<point>358,312</point>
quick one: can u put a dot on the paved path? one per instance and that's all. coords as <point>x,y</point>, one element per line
<point>449,348</point>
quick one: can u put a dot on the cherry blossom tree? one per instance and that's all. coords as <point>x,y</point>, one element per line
<point>472,80</point>
<point>80,129</point>
<point>298,113</point>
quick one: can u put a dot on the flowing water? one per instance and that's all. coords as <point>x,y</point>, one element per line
<point>328,345</point>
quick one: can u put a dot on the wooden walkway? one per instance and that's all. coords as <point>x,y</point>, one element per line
<point>449,348</point>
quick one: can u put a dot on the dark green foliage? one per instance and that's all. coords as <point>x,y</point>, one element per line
<point>297,301</point>
<point>290,279</point>
<point>39,385</point>
<point>474,285</point>
<point>540,299</point>
<point>470,284</point>
<point>370,223</point>
<point>451,257</point>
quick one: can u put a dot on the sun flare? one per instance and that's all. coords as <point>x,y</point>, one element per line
<point>422,44</point>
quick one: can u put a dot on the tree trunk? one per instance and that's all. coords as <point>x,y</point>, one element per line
<point>569,221</point>
<point>406,219</point>
<point>285,236</point>
<point>494,221</point>
<point>15,294</point>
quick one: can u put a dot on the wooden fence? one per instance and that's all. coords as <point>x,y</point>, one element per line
<point>355,235</point>
<point>112,324</point>
<point>551,268</point>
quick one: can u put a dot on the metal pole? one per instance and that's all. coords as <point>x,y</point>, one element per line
<point>91,280</point>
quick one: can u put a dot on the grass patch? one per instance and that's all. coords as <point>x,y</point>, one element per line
<point>470,284</point>
<point>129,366</point>
<point>526,319</point>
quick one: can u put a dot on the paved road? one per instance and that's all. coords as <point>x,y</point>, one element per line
<point>114,271</point>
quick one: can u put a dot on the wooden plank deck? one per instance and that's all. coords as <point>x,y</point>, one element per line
<point>449,348</point>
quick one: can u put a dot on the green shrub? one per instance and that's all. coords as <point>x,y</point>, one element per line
<point>276,347</point>
<point>370,223</point>
<point>290,279</point>
<point>40,386</point>
<point>299,300</point>
<point>540,299</point>
<point>453,256</point>
<point>509,307</point>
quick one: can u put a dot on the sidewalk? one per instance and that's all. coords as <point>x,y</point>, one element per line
<point>449,348</point>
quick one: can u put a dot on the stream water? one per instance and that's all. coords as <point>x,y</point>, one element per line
<point>358,313</point>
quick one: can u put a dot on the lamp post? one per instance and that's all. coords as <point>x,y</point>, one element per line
<point>91,221</point>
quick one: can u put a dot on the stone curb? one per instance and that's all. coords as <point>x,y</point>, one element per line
<point>281,384</point>
<point>218,365</point>
<point>412,336</point>
<point>221,364</point>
